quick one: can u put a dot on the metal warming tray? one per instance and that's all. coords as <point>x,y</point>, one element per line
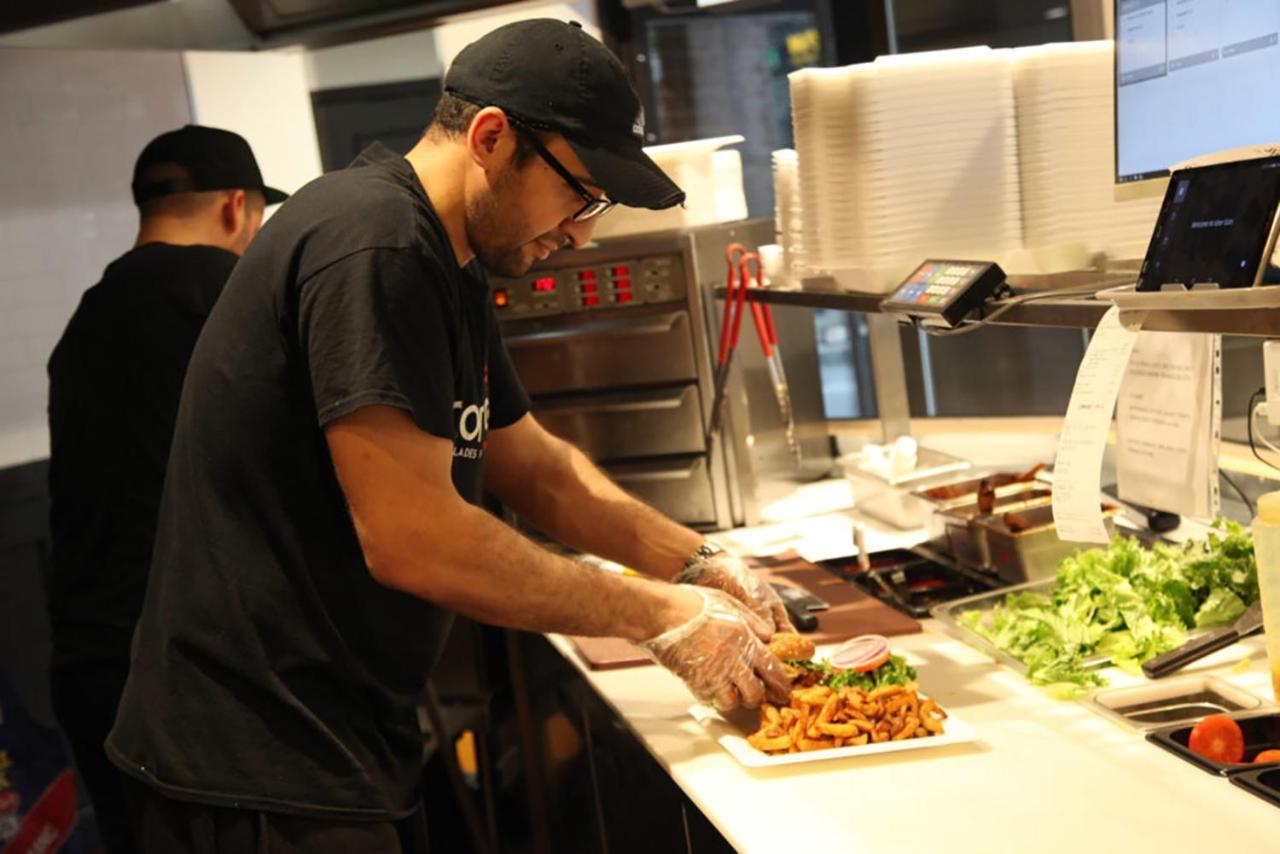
<point>1029,550</point>
<point>1033,552</point>
<point>948,615</point>
<point>958,526</point>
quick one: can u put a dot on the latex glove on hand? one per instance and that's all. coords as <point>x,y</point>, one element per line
<point>720,655</point>
<point>726,572</point>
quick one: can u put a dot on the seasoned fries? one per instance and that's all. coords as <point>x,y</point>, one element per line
<point>818,718</point>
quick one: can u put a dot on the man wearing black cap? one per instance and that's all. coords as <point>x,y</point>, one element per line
<point>114,382</point>
<point>348,402</point>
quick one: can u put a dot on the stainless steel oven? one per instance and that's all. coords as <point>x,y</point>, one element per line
<point>612,344</point>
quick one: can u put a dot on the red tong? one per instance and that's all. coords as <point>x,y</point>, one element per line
<point>737,280</point>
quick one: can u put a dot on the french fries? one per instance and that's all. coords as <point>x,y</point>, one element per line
<point>819,718</point>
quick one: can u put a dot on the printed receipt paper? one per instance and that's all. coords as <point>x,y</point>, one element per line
<point>1077,471</point>
<point>1168,423</point>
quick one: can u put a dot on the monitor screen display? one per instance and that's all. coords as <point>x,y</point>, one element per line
<point>1193,77</point>
<point>1214,226</point>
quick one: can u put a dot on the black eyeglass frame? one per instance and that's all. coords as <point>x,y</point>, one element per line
<point>595,205</point>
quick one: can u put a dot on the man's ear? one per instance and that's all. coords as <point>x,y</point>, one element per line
<point>489,138</point>
<point>233,211</point>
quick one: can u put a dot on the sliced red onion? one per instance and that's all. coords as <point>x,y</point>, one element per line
<point>859,651</point>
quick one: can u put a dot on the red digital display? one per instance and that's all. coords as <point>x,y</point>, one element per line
<point>622,284</point>
<point>625,296</point>
<point>589,287</point>
<point>586,275</point>
<point>545,285</point>
<point>622,270</point>
<point>590,300</point>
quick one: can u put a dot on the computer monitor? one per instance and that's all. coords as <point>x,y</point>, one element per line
<point>1193,77</point>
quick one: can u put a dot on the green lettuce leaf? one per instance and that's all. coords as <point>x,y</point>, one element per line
<point>1125,603</point>
<point>895,671</point>
<point>1223,606</point>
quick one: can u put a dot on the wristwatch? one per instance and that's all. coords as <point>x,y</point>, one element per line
<point>693,566</point>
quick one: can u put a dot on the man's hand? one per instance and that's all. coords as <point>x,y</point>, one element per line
<point>719,655</point>
<point>725,572</point>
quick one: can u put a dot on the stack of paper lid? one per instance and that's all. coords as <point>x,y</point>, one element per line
<point>908,157</point>
<point>1066,139</point>
<point>788,211</point>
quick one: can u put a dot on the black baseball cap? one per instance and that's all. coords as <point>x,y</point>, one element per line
<point>550,75</point>
<point>214,159</point>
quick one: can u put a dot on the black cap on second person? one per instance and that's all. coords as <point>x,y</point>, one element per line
<point>211,158</point>
<point>551,76</point>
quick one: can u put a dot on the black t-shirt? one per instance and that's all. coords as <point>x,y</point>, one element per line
<point>270,670</point>
<point>114,381</point>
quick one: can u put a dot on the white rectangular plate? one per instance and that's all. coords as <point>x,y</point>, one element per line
<point>732,739</point>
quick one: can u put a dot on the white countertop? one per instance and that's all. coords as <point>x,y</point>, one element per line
<point>1046,775</point>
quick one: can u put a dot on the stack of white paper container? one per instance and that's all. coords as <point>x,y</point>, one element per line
<point>787,211</point>
<point>1066,139</point>
<point>908,157</point>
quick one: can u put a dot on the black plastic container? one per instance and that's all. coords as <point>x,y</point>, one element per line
<point>1261,732</point>
<point>1263,781</point>
<point>910,582</point>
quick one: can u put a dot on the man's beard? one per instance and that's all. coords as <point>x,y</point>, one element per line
<point>495,228</point>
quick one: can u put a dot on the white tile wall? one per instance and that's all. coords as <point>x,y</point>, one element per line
<point>265,98</point>
<point>71,124</point>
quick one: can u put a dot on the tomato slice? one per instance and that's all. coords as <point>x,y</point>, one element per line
<point>1267,756</point>
<point>1219,738</point>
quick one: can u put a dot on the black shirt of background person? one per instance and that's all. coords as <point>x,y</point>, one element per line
<point>271,671</point>
<point>115,377</point>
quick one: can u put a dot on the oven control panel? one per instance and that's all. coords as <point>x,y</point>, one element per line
<point>594,287</point>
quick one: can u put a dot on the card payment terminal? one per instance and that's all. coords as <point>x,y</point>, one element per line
<point>944,293</point>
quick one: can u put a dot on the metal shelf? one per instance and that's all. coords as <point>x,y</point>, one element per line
<point>1068,312</point>
<point>816,293</point>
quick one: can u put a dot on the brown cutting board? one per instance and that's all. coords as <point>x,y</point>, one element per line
<point>852,613</point>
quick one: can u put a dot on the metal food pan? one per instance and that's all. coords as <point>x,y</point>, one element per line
<point>1031,554</point>
<point>948,615</point>
<point>968,539</point>
<point>961,492</point>
<point>1171,702</point>
<point>1019,496</point>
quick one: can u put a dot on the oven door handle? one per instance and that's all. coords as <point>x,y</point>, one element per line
<point>650,403</point>
<point>661,325</point>
<point>684,473</point>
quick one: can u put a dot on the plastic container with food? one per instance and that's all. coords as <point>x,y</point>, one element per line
<point>1266,544</point>
<point>1259,732</point>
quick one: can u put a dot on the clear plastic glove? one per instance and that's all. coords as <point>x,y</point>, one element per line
<point>720,655</point>
<point>723,571</point>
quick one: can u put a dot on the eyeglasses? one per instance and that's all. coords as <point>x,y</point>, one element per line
<point>595,205</point>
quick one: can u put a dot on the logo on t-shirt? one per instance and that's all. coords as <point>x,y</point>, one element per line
<point>471,430</point>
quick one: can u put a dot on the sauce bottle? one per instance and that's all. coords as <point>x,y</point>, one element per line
<point>1266,548</point>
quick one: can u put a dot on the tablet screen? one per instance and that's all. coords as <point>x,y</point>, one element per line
<point>1214,225</point>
